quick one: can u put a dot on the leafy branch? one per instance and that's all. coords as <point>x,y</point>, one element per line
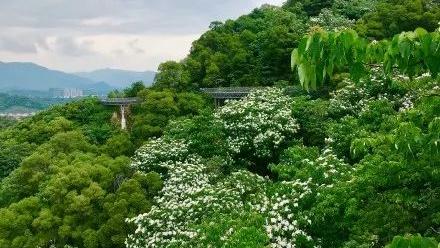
<point>321,54</point>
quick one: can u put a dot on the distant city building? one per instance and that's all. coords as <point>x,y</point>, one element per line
<point>65,93</point>
<point>56,92</point>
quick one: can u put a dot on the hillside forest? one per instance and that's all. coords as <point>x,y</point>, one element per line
<point>336,146</point>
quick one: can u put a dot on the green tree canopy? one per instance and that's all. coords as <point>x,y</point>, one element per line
<point>172,75</point>
<point>66,193</point>
<point>392,17</point>
<point>134,89</point>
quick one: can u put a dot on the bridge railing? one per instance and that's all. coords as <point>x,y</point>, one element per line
<point>228,92</point>
<point>120,101</point>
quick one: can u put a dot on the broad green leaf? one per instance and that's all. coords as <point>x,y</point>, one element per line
<point>302,76</point>
<point>421,32</point>
<point>294,59</point>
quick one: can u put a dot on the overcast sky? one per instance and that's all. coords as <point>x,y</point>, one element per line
<point>83,35</point>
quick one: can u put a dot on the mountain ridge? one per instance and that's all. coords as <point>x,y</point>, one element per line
<point>31,76</point>
<point>28,76</point>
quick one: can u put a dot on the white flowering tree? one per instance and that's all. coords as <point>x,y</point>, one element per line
<point>201,207</point>
<point>193,194</point>
<point>331,21</point>
<point>259,125</point>
<point>150,156</point>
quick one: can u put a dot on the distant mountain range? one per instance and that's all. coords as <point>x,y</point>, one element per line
<point>17,76</point>
<point>119,78</point>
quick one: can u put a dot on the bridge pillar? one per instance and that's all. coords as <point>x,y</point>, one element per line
<point>124,104</point>
<point>123,120</point>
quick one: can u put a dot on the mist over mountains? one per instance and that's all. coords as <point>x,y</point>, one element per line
<point>19,76</point>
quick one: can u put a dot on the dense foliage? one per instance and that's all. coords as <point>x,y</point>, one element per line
<point>412,241</point>
<point>66,193</point>
<point>395,151</point>
<point>357,163</point>
<point>354,163</point>
<point>158,108</point>
<point>358,185</point>
<point>249,51</point>
<point>395,16</point>
<point>66,179</point>
<point>6,122</point>
<point>99,123</point>
<point>198,188</point>
<point>253,50</point>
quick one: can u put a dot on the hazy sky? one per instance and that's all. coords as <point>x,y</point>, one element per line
<point>77,35</point>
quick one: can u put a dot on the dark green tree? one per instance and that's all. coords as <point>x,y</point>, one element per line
<point>134,89</point>
<point>66,193</point>
<point>392,17</point>
<point>172,75</point>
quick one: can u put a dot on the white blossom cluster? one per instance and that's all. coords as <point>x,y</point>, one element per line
<point>407,102</point>
<point>349,100</point>
<point>428,87</point>
<point>425,86</point>
<point>65,246</point>
<point>355,99</point>
<point>193,193</point>
<point>284,220</point>
<point>331,21</point>
<point>178,205</point>
<point>185,202</point>
<point>259,123</point>
<point>328,169</point>
<point>159,150</point>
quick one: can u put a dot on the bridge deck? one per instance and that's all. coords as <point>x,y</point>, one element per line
<point>119,101</point>
<point>228,93</point>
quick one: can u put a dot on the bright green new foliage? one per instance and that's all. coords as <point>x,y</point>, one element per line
<point>412,241</point>
<point>323,54</point>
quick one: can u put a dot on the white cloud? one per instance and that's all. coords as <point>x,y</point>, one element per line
<point>103,21</point>
<point>128,34</point>
<point>131,52</point>
<point>69,46</point>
